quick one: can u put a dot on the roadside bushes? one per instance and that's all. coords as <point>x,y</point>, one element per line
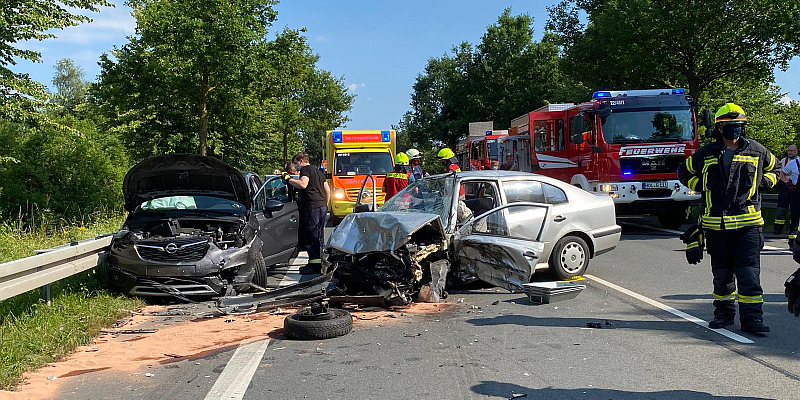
<point>62,171</point>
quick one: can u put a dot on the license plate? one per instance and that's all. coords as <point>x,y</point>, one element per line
<point>654,185</point>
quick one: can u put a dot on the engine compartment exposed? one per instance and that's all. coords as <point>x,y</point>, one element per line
<point>223,232</point>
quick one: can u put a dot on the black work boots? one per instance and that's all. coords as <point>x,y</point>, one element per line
<point>755,325</point>
<point>719,322</point>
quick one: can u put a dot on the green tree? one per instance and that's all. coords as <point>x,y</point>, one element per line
<point>20,96</point>
<point>71,88</point>
<point>506,75</point>
<point>304,100</point>
<point>669,43</point>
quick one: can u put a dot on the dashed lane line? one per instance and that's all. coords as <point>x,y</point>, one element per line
<point>681,314</point>
<point>236,377</point>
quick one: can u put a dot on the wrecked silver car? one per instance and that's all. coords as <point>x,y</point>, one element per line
<point>198,227</point>
<point>496,226</point>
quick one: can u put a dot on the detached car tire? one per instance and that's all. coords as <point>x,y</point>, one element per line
<point>332,324</point>
<point>569,258</point>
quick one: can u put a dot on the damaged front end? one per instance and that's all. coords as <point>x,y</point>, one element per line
<point>185,256</point>
<point>396,257</point>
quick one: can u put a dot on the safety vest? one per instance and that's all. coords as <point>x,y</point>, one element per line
<point>730,201</point>
<point>453,168</point>
<point>394,182</point>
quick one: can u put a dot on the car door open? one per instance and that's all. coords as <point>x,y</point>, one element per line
<point>279,227</point>
<point>503,245</point>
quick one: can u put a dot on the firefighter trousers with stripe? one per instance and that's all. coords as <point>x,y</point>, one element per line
<point>736,260</point>
<point>788,206</point>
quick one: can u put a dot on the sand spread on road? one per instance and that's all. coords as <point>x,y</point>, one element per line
<point>179,339</point>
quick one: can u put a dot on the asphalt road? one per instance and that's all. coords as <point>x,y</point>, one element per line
<point>510,347</point>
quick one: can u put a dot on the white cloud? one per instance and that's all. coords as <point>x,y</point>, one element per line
<point>110,24</point>
<point>321,39</point>
<point>786,100</point>
<point>355,86</point>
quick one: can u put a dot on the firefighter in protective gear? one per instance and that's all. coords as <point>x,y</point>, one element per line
<point>729,173</point>
<point>398,179</point>
<point>414,158</point>
<point>448,159</point>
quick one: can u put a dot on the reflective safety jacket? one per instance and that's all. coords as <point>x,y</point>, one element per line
<point>733,200</point>
<point>394,182</point>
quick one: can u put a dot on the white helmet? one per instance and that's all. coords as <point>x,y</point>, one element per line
<point>413,154</point>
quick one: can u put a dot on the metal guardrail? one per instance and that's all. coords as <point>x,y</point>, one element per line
<point>20,276</point>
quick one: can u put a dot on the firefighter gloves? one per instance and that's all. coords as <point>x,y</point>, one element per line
<point>286,176</point>
<point>793,292</point>
<point>693,237</point>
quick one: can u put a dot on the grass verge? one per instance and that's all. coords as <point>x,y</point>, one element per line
<point>32,333</point>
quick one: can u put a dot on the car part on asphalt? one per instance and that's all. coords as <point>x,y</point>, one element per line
<point>550,292</point>
<point>317,322</point>
<point>298,294</point>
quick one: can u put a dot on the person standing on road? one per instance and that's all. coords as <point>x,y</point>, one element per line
<point>788,182</point>
<point>730,172</point>
<point>784,195</point>
<point>448,160</point>
<point>314,196</point>
<point>399,179</point>
<point>414,157</point>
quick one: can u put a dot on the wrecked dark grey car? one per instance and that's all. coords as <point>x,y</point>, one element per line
<point>198,227</point>
<point>498,226</point>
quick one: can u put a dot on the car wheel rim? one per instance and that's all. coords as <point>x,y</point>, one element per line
<point>572,257</point>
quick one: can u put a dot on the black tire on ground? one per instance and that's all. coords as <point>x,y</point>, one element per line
<point>570,257</point>
<point>672,218</point>
<point>260,272</point>
<point>340,323</point>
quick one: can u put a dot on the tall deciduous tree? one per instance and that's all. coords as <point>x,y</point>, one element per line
<point>506,75</point>
<point>71,88</point>
<point>668,43</point>
<point>23,20</point>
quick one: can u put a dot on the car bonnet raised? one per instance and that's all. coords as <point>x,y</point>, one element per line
<point>183,175</point>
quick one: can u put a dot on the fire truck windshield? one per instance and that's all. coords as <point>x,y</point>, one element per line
<point>363,163</point>
<point>648,126</point>
<point>493,149</point>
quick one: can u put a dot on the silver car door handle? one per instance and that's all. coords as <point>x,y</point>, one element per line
<point>293,219</point>
<point>559,218</point>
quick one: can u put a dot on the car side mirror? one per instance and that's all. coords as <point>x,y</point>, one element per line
<point>577,124</point>
<point>273,205</point>
<point>707,119</point>
<point>576,139</point>
<point>604,112</point>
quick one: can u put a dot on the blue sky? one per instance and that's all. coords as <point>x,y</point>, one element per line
<point>377,46</point>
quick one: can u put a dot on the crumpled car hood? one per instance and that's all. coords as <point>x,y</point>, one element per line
<point>183,175</point>
<point>379,231</point>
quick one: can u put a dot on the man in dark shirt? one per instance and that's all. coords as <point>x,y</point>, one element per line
<point>509,164</point>
<point>314,196</point>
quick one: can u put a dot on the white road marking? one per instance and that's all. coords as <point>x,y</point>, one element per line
<point>688,317</point>
<point>236,377</point>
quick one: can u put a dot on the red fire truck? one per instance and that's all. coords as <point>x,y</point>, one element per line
<point>627,144</point>
<point>480,153</point>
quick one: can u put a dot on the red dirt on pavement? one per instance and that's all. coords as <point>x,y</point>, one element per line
<point>187,339</point>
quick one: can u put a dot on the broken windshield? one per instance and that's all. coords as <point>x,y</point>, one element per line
<point>430,195</point>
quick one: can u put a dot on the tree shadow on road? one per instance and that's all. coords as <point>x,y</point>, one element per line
<point>506,390</point>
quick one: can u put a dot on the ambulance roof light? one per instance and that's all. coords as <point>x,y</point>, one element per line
<point>337,136</point>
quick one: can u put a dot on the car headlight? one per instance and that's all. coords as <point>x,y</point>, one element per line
<point>339,194</point>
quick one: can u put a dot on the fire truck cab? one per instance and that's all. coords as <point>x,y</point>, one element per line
<point>627,144</point>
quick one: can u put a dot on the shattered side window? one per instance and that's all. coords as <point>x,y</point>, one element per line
<point>429,195</point>
<point>517,221</point>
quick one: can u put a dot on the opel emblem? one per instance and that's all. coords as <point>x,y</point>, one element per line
<point>171,248</point>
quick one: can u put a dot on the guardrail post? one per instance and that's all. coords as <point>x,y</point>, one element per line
<point>44,291</point>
